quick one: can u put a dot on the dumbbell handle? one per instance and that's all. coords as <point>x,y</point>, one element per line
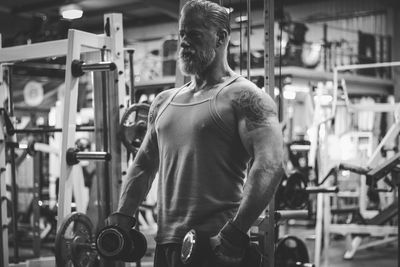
<point>96,155</point>
<point>353,168</point>
<point>87,246</point>
<point>74,156</point>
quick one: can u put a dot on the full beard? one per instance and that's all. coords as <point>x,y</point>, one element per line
<point>192,63</point>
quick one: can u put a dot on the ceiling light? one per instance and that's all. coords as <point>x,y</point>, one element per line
<point>71,12</point>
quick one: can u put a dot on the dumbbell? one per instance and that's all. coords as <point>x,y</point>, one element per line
<point>74,241</point>
<point>114,243</point>
<point>196,249</point>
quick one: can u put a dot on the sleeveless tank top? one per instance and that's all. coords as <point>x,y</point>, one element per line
<point>202,168</point>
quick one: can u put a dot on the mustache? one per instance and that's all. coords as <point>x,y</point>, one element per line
<point>187,52</point>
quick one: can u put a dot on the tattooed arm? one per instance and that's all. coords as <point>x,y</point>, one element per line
<point>142,171</point>
<point>261,135</point>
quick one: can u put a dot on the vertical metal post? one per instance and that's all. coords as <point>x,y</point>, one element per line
<point>14,191</point>
<point>321,218</point>
<point>69,107</point>
<point>101,175</point>
<point>114,105</point>
<point>103,116</point>
<point>37,171</point>
<point>395,53</point>
<point>102,127</point>
<point>269,85</point>
<point>116,97</point>
<point>248,38</point>
<point>398,225</point>
<point>4,253</point>
<point>132,92</point>
<point>325,40</point>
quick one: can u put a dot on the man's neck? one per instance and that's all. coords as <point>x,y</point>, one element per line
<point>213,75</point>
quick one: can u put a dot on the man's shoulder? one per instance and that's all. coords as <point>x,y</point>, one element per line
<point>245,94</point>
<point>239,86</point>
<point>163,96</point>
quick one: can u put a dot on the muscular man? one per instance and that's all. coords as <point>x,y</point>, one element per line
<point>200,139</point>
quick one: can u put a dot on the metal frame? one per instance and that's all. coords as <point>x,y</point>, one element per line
<point>50,49</point>
<point>110,101</point>
<point>77,42</point>
<point>354,67</point>
<point>269,86</point>
<point>387,232</point>
<point>4,252</point>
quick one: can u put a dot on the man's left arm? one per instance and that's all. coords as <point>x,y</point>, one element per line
<point>261,135</point>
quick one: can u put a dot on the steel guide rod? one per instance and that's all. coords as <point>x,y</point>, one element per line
<point>269,85</point>
<point>248,38</point>
<point>14,192</point>
<point>132,77</point>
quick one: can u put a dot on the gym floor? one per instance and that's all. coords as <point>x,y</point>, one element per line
<point>383,256</point>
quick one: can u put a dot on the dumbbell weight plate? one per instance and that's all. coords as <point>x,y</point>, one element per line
<point>291,251</point>
<point>133,126</point>
<point>73,244</point>
<point>113,244</point>
<point>140,246</point>
<point>294,195</point>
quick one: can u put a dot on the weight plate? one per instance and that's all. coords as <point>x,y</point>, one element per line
<point>73,244</point>
<point>133,126</point>
<point>291,251</point>
<point>140,247</point>
<point>294,195</point>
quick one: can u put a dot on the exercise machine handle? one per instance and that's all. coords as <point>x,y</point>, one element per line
<point>353,168</point>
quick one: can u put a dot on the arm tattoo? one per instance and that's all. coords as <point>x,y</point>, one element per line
<point>256,110</point>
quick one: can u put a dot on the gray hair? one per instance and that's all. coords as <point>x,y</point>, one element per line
<point>213,14</point>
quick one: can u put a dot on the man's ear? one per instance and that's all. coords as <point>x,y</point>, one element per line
<point>221,37</point>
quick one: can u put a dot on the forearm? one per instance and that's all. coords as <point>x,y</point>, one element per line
<point>262,182</point>
<point>137,184</point>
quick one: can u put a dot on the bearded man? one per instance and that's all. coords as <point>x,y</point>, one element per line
<point>200,139</point>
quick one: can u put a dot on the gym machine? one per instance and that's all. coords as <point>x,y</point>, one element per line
<point>375,226</point>
<point>76,241</point>
<point>111,44</point>
<point>388,233</point>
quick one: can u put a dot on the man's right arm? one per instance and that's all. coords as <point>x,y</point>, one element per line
<point>141,172</point>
